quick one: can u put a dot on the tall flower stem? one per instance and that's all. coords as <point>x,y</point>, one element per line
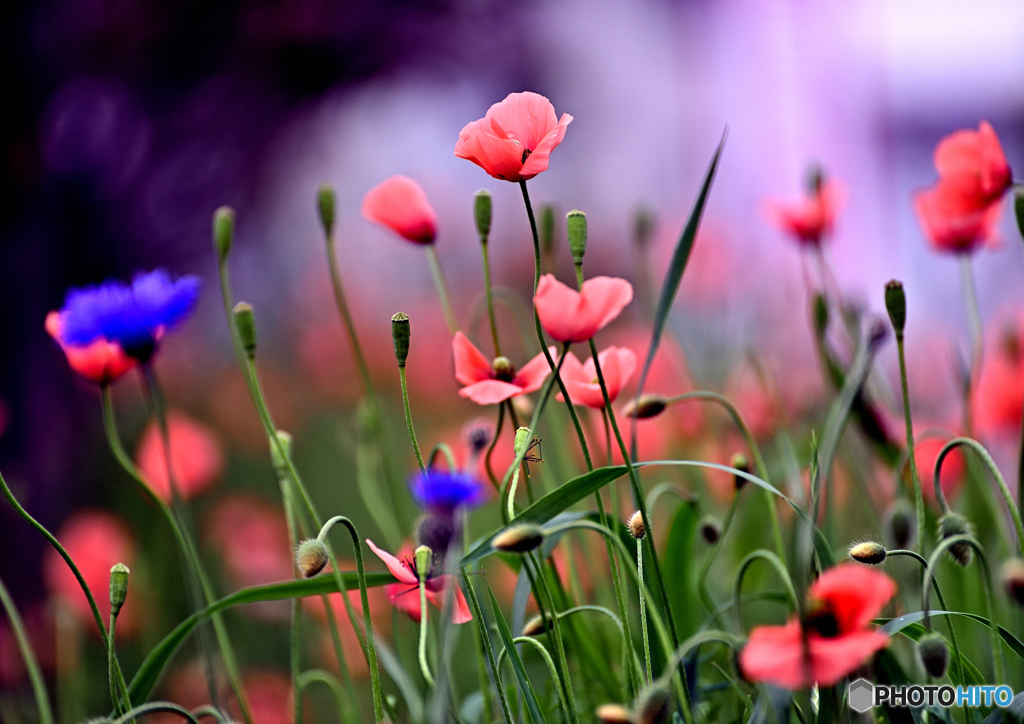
<point>485,639</point>
<point>709,559</point>
<point>556,631</point>
<point>113,667</point>
<point>424,666</point>
<point>974,326</point>
<point>643,608</point>
<point>490,448</point>
<point>442,289</point>
<point>911,457</point>
<point>35,675</point>
<point>488,291</point>
<point>408,419</point>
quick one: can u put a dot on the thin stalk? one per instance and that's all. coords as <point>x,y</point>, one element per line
<point>911,457</point>
<point>556,631</point>
<point>485,637</point>
<point>112,672</point>
<point>28,656</point>
<point>490,298</point>
<point>424,667</point>
<point>974,325</point>
<point>319,675</point>
<point>546,656</point>
<point>643,608</point>
<point>442,289</point>
<point>705,568</point>
<point>408,419</point>
<point>490,449</point>
<point>157,707</point>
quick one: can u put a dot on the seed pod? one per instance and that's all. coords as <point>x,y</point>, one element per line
<point>953,524</point>
<point>646,406</point>
<point>576,228</point>
<point>482,205</point>
<point>637,529</point>
<point>245,324</point>
<point>118,587</point>
<point>740,462</point>
<point>896,305</point>
<point>400,335</point>
<point>868,552</point>
<point>325,207</point>
<point>519,538</point>
<point>900,525</point>
<point>424,561</point>
<point>934,654</point>
<point>311,557</point>
<point>223,231</point>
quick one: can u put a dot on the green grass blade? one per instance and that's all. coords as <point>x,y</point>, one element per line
<point>517,663</point>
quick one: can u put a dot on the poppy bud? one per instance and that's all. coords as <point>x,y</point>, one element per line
<point>1012,575</point>
<point>643,226</point>
<point>400,334</point>
<point>535,626</point>
<point>576,228</point>
<point>953,524</point>
<point>613,714</point>
<point>311,557</point>
<point>819,315</point>
<point>934,655</point>
<point>636,526</point>
<point>646,406</point>
<point>896,305</point>
<point>654,706</point>
<point>424,559</point>
<point>325,207</point>
<point>519,538</point>
<point>900,524</point>
<point>223,231</point>
<point>477,435</point>
<point>118,587</point>
<point>482,205</point>
<point>522,441</point>
<point>280,463</point>
<point>1018,208</point>
<point>547,228</point>
<point>710,530</point>
<point>245,325</point>
<point>740,462</point>
<point>868,552</point>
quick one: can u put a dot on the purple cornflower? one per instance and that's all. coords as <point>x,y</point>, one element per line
<point>444,491</point>
<point>134,315</point>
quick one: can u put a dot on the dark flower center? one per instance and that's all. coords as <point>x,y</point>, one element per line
<point>502,369</point>
<point>526,154</point>
<point>822,622</point>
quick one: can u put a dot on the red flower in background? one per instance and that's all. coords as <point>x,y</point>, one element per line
<point>491,383</point>
<point>617,366</point>
<point>926,452</point>
<point>953,225</point>
<point>810,219</point>
<point>515,139</point>
<point>95,540</point>
<point>405,595</point>
<point>196,457</point>
<point>576,316</point>
<point>400,204</point>
<point>251,536</point>
<point>99,361</point>
<point>999,397</point>
<point>832,641</point>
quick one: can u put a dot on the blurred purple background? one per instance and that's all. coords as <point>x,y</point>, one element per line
<point>126,123</point>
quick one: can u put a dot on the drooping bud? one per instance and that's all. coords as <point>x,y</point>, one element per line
<point>424,562</point>
<point>900,524</point>
<point>519,538</point>
<point>522,441</point>
<point>740,462</point>
<point>547,228</point>
<point>868,552</point>
<point>710,530</point>
<point>325,204</point>
<point>636,526</point>
<point>118,587</point>
<point>896,305</point>
<point>311,557</point>
<point>643,226</point>
<point>646,406</point>
<point>819,315</point>
<point>613,714</point>
<point>953,524</point>
<point>654,706</point>
<point>280,462</point>
<point>1018,208</point>
<point>576,228</point>
<point>223,231</point>
<point>1012,577</point>
<point>934,654</point>
<point>245,325</point>
<point>535,626</point>
<point>482,206</point>
<point>400,334</point>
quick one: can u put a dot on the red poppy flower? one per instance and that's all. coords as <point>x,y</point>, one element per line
<point>810,219</point>
<point>617,366</point>
<point>405,595</point>
<point>516,137</point>
<point>973,163</point>
<point>400,204</point>
<point>952,221</point>
<point>999,397</point>
<point>926,452</point>
<point>99,361</point>
<point>195,456</point>
<point>576,316</point>
<point>832,641</point>
<point>491,383</point>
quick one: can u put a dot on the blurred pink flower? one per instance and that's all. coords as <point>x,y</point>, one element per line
<point>400,204</point>
<point>252,538</point>
<point>973,165</point>
<point>810,219</point>
<point>617,366</point>
<point>405,595</point>
<point>99,361</point>
<point>489,384</point>
<point>196,457</point>
<point>999,397</point>
<point>515,139</point>
<point>576,316</point>
<point>954,466</point>
<point>951,224</point>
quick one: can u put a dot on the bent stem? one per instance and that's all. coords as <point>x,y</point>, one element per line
<point>408,419</point>
<point>911,457</point>
<point>556,631</point>
<point>35,675</point>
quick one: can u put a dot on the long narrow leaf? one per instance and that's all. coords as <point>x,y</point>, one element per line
<point>517,663</point>
<point>898,624</point>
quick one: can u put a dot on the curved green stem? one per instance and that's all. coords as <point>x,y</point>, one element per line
<point>542,650</point>
<point>156,707</point>
<point>705,567</point>
<point>408,419</point>
<point>28,656</point>
<point>114,672</point>
<point>779,567</point>
<point>424,667</point>
<point>556,631</point>
<point>323,677</point>
<point>441,448</point>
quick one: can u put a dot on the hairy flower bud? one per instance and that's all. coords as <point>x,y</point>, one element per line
<point>325,204</point>
<point>710,530</point>
<point>896,305</point>
<point>1012,577</point>
<point>245,324</point>
<point>576,228</point>
<point>223,231</point>
<point>118,587</point>
<point>868,552</point>
<point>519,538</point>
<point>482,206</point>
<point>613,714</point>
<point>954,524</point>
<point>311,557</point>
<point>646,406</point>
<point>535,626</point>
<point>654,706</point>
<point>900,524</point>
<point>401,332</point>
<point>740,462</point>
<point>636,526</point>
<point>934,654</point>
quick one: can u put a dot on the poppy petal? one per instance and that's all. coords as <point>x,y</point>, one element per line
<point>397,568</point>
<point>532,375</point>
<point>470,364</point>
<point>490,392</point>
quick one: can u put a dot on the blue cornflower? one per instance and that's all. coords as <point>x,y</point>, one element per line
<point>441,490</point>
<point>132,315</point>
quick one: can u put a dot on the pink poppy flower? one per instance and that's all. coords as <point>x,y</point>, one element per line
<point>400,204</point>
<point>973,163</point>
<point>491,383</point>
<point>195,456</point>
<point>998,402</point>
<point>832,641</point>
<point>100,361</point>
<point>405,595</point>
<point>515,139</point>
<point>951,220</point>
<point>954,466</point>
<point>576,316</point>
<point>617,366</point>
<point>810,219</point>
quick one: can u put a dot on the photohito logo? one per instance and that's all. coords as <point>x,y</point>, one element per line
<point>863,695</point>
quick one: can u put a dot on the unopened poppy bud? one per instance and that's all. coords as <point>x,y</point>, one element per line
<point>325,204</point>
<point>1018,208</point>
<point>643,226</point>
<point>646,406</point>
<point>547,228</point>
<point>223,231</point>
<point>613,714</point>
<point>710,530</point>
<point>424,560</point>
<point>953,524</point>
<point>279,460</point>
<point>522,441</point>
<point>654,706</point>
<point>896,305</point>
<point>400,334</point>
<point>868,552</point>
<point>900,524</point>
<point>636,526</point>
<point>118,587</point>
<point>819,315</point>
<point>934,654</point>
<point>311,557</point>
<point>1012,576</point>
<point>576,228</point>
<point>740,462</point>
<point>245,324</point>
<point>482,205</point>
<point>519,538</point>
<point>535,626</point>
